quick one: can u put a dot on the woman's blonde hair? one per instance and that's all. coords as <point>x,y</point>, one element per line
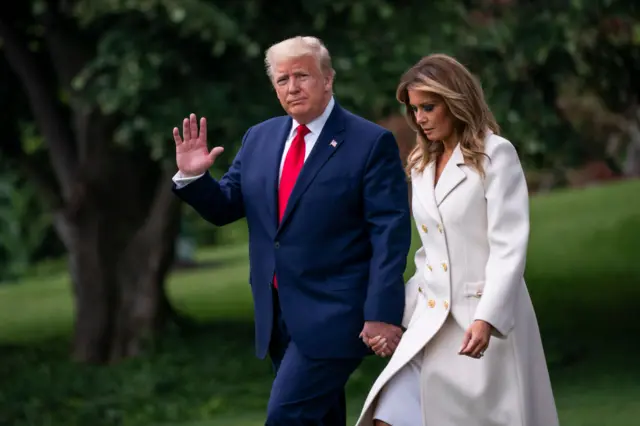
<point>448,79</point>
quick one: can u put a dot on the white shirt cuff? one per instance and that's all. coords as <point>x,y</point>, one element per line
<point>181,180</point>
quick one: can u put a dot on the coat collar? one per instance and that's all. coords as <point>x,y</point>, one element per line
<point>430,195</point>
<point>316,125</point>
<point>451,176</point>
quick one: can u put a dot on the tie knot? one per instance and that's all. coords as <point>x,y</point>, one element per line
<point>303,130</point>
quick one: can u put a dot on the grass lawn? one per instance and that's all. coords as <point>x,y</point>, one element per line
<point>583,275</point>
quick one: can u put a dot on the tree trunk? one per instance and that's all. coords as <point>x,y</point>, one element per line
<point>118,266</point>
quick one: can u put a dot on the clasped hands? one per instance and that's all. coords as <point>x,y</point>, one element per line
<point>383,339</point>
<point>380,337</point>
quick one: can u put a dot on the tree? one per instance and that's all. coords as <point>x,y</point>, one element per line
<point>95,78</point>
<point>113,207</point>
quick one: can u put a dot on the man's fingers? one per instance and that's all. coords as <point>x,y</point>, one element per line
<point>186,133</point>
<point>396,340</point>
<point>363,334</point>
<point>203,131</point>
<point>215,153</point>
<point>176,136</point>
<point>193,120</point>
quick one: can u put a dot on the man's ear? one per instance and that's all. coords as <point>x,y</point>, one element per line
<point>328,82</point>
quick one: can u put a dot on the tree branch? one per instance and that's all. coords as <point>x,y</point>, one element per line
<point>68,48</point>
<point>45,108</point>
<point>70,53</point>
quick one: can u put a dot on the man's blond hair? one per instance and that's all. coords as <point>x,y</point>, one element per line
<point>297,47</point>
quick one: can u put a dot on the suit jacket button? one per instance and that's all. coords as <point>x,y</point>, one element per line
<point>424,229</point>
<point>277,245</point>
<point>431,303</point>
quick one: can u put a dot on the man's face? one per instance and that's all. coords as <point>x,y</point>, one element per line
<point>302,88</point>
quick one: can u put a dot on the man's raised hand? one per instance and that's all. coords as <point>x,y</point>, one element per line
<point>192,154</point>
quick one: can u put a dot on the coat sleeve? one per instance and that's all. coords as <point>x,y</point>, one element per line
<point>386,209</point>
<point>218,202</point>
<point>507,201</point>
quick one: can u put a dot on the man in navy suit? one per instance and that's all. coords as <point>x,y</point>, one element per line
<point>326,202</point>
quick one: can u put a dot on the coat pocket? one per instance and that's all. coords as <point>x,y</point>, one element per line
<point>472,294</point>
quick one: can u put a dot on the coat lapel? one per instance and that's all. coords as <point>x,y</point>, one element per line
<point>424,192</point>
<point>451,177</point>
<point>329,141</point>
<point>272,162</point>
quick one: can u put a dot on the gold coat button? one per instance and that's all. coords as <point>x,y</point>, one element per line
<point>430,268</point>
<point>420,289</point>
<point>439,228</point>
<point>446,304</point>
<point>431,303</point>
<point>444,266</point>
<point>424,229</point>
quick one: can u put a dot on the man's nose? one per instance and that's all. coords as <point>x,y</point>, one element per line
<point>294,85</point>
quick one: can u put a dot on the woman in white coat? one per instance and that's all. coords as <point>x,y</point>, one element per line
<point>471,354</point>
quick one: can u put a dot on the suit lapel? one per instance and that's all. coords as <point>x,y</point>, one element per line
<point>272,162</point>
<point>452,176</point>
<point>329,141</point>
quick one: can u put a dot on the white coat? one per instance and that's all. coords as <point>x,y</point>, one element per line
<point>474,234</point>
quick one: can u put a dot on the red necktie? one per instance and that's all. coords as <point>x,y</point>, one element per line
<point>292,165</point>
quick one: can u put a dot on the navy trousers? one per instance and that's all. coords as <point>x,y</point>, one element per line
<point>306,391</point>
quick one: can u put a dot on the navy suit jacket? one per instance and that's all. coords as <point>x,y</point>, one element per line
<point>341,249</point>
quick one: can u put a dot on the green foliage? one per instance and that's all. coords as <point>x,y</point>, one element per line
<point>527,56</point>
<point>23,225</point>
<point>582,242</point>
<point>152,62</point>
<point>155,61</point>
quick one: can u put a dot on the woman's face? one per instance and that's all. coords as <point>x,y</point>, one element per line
<point>432,115</point>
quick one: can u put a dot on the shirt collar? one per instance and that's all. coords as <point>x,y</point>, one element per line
<point>315,126</point>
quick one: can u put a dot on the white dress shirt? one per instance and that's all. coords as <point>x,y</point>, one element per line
<point>315,128</point>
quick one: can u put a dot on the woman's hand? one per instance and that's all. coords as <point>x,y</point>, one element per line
<point>476,339</point>
<point>380,346</point>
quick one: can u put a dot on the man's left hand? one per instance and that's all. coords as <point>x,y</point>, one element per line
<point>382,338</point>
